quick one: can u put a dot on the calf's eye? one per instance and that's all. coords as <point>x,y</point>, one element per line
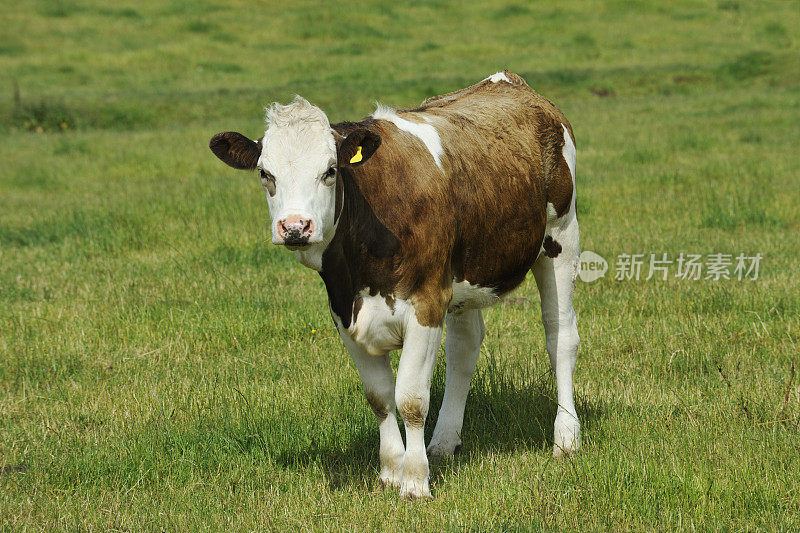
<point>329,176</point>
<point>268,181</point>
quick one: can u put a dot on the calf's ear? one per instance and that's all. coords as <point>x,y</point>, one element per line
<point>236,150</point>
<point>357,147</point>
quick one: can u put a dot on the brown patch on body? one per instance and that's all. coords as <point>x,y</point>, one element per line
<point>411,411</point>
<point>503,151</point>
<point>361,254</point>
<point>546,118</point>
<point>384,239</point>
<point>551,247</point>
<point>557,176</point>
<point>408,228</point>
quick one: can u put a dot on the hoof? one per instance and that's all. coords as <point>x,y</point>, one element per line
<point>415,491</point>
<point>562,452</point>
<point>389,480</point>
<point>566,434</point>
<point>443,449</point>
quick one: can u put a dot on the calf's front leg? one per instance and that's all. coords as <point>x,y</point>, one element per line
<point>412,395</point>
<point>378,380</point>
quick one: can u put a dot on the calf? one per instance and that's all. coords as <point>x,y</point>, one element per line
<point>420,218</point>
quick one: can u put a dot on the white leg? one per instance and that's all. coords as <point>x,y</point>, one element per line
<point>378,380</point>
<point>555,278</point>
<point>412,394</point>
<point>462,345</point>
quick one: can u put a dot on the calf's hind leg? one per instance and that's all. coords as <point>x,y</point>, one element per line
<point>555,278</point>
<point>462,346</point>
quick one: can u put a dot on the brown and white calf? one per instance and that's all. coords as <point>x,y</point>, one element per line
<point>416,219</point>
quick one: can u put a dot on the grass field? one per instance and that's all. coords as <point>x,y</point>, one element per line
<point>163,366</point>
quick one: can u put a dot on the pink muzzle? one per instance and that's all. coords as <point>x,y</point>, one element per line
<point>295,230</point>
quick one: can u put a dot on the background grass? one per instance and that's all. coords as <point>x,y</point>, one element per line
<point>164,367</point>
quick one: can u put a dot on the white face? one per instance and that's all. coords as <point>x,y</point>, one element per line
<point>298,171</point>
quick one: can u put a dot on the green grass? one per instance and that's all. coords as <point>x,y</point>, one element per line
<point>162,366</point>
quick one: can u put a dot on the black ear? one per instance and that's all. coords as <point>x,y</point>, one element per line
<point>236,150</point>
<point>358,147</point>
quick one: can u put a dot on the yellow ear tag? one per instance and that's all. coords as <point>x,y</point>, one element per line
<point>357,158</point>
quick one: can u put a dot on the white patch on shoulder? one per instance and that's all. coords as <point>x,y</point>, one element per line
<point>469,296</point>
<point>498,77</point>
<point>425,132</point>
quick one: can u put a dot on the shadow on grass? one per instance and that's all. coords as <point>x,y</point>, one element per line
<point>352,463</point>
<point>508,410</point>
<point>330,434</point>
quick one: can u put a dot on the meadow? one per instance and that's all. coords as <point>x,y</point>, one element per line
<point>164,367</point>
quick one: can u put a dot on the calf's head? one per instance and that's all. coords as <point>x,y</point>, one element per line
<point>299,160</point>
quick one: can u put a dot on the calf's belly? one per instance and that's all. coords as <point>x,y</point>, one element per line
<point>468,295</point>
